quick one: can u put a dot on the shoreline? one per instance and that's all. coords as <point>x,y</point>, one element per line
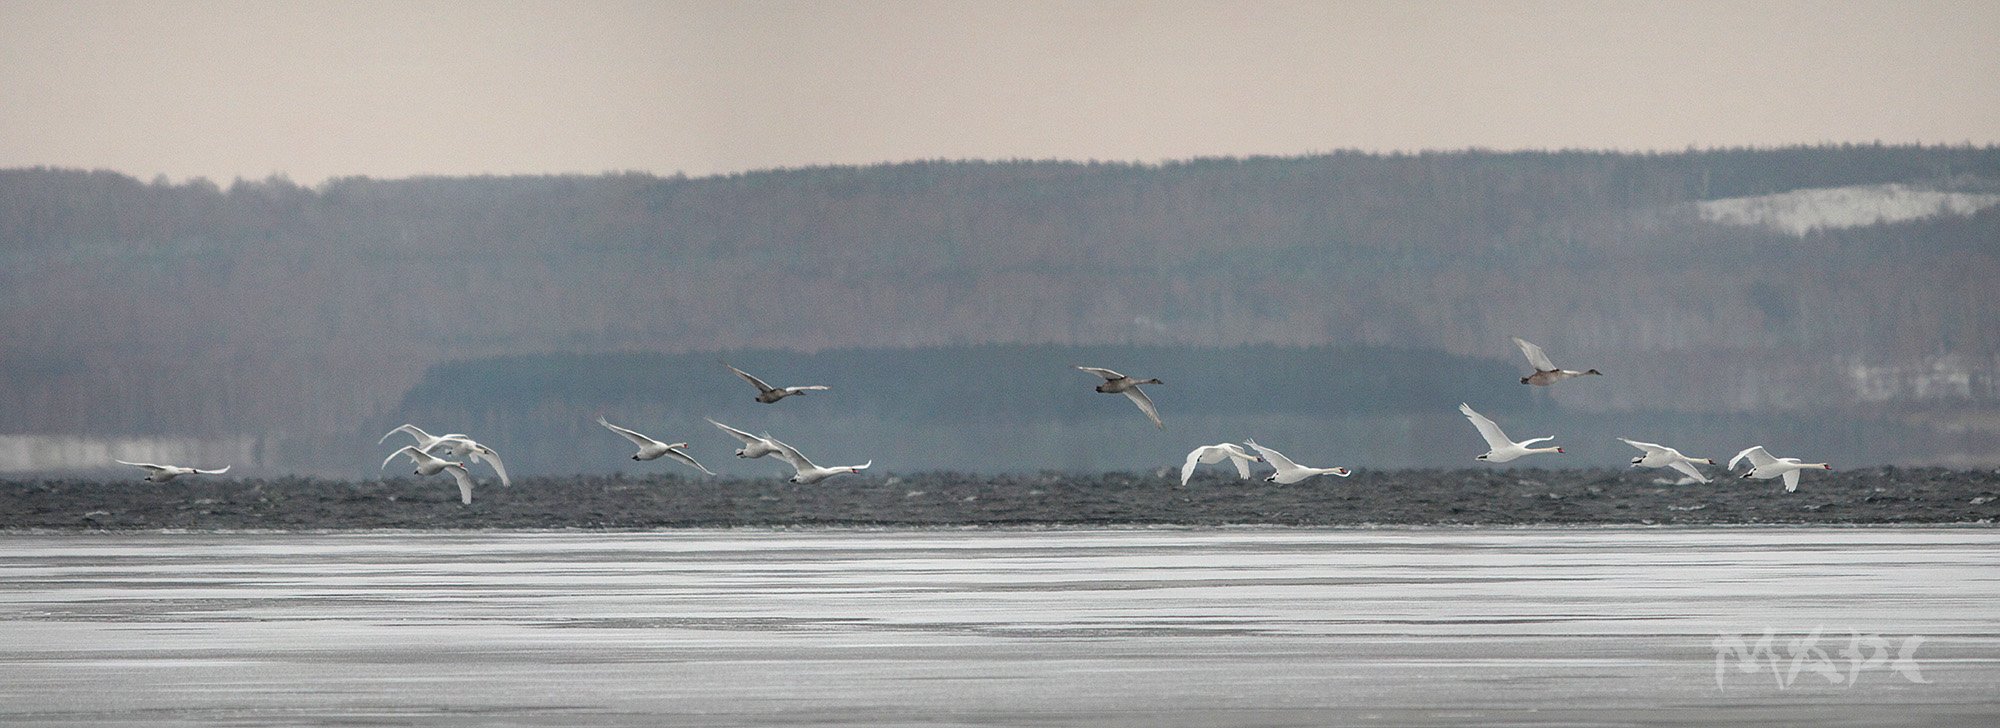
<point>1464,498</point>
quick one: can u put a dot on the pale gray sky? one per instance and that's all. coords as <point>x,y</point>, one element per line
<point>390,89</point>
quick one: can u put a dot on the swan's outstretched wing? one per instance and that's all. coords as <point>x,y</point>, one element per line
<point>1758,457</point>
<point>636,438</point>
<point>1646,446</point>
<point>1107,374</point>
<point>758,383</point>
<point>1275,458</point>
<point>745,437</point>
<point>464,478</point>
<point>1194,456</point>
<point>1495,439</point>
<point>411,449</point>
<point>218,471</point>
<point>500,468</point>
<point>1536,357</point>
<point>688,459</point>
<point>148,466</point>
<point>1533,440</point>
<point>791,455</point>
<point>1242,463</point>
<point>1145,405</point>
<point>806,388</point>
<point>1791,480</point>
<point>415,431</point>
<point>1688,468</point>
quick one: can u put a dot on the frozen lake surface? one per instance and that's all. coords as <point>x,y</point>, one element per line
<point>1142,627</point>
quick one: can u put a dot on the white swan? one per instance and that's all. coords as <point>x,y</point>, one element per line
<point>1661,456</point>
<point>753,445</point>
<point>1765,467</point>
<point>1546,372</point>
<point>1500,447</point>
<point>456,445</point>
<point>428,464</point>
<point>769,394</point>
<point>425,441</point>
<point>460,446</point>
<point>164,473</point>
<point>1212,454</point>
<point>808,473</point>
<point>1289,472</point>
<point>1115,383</point>
<point>650,449</point>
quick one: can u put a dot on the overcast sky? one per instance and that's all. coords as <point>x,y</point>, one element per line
<point>390,89</point>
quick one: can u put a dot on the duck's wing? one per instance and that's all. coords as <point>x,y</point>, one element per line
<point>758,383</point>
<point>636,438</point>
<point>1791,480</point>
<point>1495,438</point>
<point>1536,357</point>
<point>411,449</point>
<point>1107,374</point>
<point>1145,405</point>
<point>148,466</point>
<point>1688,468</point>
<point>688,459</point>
<point>1275,458</point>
<point>1758,457</point>
<point>464,478</point>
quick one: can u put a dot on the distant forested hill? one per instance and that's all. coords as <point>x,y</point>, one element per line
<point>301,313</point>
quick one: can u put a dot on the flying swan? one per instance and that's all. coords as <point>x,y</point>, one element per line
<point>651,449</point>
<point>1500,447</point>
<point>1115,383</point>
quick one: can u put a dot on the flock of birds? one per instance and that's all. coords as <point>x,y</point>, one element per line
<point>430,453</point>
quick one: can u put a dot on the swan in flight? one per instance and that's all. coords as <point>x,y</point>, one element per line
<point>650,449</point>
<point>428,464</point>
<point>808,473</point>
<point>1765,467</point>
<point>1661,456</point>
<point>753,445</point>
<point>460,446</point>
<point>1212,454</point>
<point>425,441</point>
<point>1546,372</point>
<point>164,473</point>
<point>455,444</point>
<point>769,394</point>
<point>1115,383</point>
<point>1502,448</point>
<point>1289,472</point>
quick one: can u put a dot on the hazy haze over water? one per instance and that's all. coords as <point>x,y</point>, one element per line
<point>390,89</point>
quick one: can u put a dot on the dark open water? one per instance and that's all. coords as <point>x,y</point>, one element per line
<point>981,628</point>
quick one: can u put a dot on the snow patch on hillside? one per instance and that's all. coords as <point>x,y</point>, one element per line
<point>1801,211</point>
